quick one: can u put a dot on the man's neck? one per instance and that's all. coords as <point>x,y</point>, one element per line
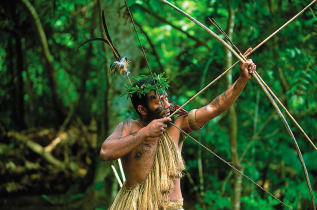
<point>144,121</point>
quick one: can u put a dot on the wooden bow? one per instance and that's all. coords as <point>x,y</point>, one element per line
<point>260,81</point>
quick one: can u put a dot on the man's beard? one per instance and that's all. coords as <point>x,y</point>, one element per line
<point>157,114</point>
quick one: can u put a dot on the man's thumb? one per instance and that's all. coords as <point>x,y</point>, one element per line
<point>166,119</point>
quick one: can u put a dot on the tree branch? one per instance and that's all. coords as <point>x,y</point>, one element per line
<point>38,149</point>
<point>48,57</point>
<point>174,26</point>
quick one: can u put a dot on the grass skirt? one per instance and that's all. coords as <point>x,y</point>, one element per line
<point>153,192</point>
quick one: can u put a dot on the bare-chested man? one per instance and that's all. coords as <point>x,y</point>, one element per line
<point>137,142</point>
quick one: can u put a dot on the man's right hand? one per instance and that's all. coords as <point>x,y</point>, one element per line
<point>156,128</point>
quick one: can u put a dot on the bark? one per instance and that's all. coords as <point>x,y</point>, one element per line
<point>19,97</point>
<point>30,108</point>
<point>264,174</point>
<point>201,177</point>
<point>38,149</point>
<point>254,138</point>
<point>10,66</point>
<point>283,80</point>
<point>47,164</point>
<point>49,60</point>
<point>104,186</point>
<point>104,94</point>
<point>233,127</point>
<point>271,6</point>
<point>84,9</point>
<point>197,193</point>
<point>102,171</point>
<point>15,66</point>
<point>82,109</point>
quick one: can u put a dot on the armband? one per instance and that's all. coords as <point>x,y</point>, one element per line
<point>192,120</point>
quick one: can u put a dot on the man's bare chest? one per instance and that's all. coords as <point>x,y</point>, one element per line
<point>145,150</point>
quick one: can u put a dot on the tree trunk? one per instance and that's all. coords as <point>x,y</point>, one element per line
<point>104,185</point>
<point>84,103</point>
<point>18,96</point>
<point>10,69</point>
<point>30,108</point>
<point>19,85</point>
<point>201,177</point>
<point>233,127</point>
<point>102,170</point>
<point>49,61</point>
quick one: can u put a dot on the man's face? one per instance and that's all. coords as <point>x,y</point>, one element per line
<point>158,105</point>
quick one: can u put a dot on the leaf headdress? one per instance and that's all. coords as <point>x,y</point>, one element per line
<point>159,84</point>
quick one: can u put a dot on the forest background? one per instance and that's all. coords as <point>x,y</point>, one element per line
<point>59,105</point>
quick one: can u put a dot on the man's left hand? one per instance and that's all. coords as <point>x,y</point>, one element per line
<point>248,67</point>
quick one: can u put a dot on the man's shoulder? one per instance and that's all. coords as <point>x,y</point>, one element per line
<point>127,122</point>
<point>130,124</point>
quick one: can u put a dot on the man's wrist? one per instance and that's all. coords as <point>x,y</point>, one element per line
<point>243,79</point>
<point>144,133</point>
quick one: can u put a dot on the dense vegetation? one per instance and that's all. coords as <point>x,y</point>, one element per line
<point>65,103</point>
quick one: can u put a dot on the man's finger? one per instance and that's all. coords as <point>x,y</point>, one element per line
<point>166,119</point>
<point>246,52</point>
<point>252,69</point>
<point>153,138</point>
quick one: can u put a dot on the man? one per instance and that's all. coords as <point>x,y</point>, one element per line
<point>150,147</point>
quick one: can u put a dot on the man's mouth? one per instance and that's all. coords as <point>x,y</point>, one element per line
<point>162,112</point>
<point>166,113</point>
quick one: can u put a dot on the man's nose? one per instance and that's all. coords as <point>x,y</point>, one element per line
<point>166,104</point>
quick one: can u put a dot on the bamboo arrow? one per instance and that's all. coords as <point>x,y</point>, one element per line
<point>258,46</point>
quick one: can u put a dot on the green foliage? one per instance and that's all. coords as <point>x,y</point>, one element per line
<point>160,84</point>
<point>190,59</point>
<point>68,197</point>
<point>99,185</point>
<point>254,202</point>
<point>215,201</point>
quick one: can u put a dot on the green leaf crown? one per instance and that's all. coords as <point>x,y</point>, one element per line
<point>160,85</point>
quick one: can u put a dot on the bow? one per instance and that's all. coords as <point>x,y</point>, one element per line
<point>261,82</point>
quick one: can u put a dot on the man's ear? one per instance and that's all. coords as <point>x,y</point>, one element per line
<point>142,110</point>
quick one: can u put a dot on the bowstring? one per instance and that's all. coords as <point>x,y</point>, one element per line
<point>226,162</point>
<point>205,147</point>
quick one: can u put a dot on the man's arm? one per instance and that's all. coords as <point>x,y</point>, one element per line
<point>221,103</point>
<point>122,141</point>
<point>225,100</point>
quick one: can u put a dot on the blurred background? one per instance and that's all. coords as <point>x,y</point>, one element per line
<point>58,105</point>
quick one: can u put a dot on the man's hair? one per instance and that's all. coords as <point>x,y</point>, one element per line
<point>143,100</point>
